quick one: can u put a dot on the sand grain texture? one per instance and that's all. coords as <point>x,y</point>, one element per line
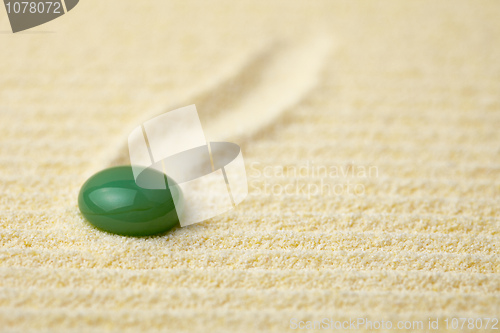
<point>412,88</point>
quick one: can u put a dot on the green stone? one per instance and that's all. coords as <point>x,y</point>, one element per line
<point>112,201</point>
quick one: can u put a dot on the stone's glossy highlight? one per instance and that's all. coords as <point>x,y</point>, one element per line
<point>112,201</point>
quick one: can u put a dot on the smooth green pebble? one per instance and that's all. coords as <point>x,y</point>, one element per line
<point>112,201</point>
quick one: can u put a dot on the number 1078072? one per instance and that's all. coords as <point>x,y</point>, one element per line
<point>26,7</point>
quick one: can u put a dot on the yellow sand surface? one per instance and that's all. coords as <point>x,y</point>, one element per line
<point>397,101</point>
